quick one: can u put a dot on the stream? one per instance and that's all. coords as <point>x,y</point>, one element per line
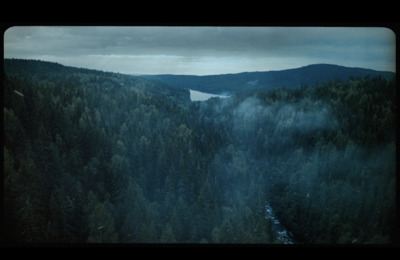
<point>281,232</point>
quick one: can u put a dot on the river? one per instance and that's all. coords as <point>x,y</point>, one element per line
<point>281,232</point>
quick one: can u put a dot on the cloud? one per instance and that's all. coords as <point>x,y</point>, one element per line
<point>232,49</point>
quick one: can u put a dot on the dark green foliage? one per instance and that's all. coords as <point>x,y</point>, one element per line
<point>97,157</point>
<point>88,160</point>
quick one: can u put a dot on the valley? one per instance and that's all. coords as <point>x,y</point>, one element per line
<point>303,155</point>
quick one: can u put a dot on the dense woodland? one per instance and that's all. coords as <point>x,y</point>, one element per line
<point>95,157</point>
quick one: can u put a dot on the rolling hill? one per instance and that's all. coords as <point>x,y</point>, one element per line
<point>44,71</point>
<point>247,81</point>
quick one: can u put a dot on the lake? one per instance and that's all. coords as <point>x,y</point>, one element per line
<point>202,96</point>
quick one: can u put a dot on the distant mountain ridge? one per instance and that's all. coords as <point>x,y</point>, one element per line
<point>176,86</point>
<point>247,81</point>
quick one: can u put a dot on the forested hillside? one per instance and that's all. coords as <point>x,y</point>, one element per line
<point>42,71</point>
<point>95,157</point>
<point>261,80</point>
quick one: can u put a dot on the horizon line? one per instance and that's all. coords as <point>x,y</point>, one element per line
<point>196,75</point>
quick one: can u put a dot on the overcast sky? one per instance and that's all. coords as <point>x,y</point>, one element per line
<point>202,50</point>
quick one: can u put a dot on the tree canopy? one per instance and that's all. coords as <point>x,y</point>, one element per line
<point>95,157</point>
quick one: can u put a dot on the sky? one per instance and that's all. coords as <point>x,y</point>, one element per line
<point>202,50</point>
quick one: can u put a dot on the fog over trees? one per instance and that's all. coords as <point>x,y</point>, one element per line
<point>96,157</point>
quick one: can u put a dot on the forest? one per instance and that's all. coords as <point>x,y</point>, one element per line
<point>98,157</point>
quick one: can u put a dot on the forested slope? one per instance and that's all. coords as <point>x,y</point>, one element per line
<point>95,162</point>
<point>90,160</point>
<point>322,156</point>
<point>42,71</point>
<point>268,80</point>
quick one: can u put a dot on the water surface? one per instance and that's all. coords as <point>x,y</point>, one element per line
<point>202,96</point>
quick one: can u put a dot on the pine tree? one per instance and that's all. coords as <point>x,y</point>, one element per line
<point>101,224</point>
<point>13,188</point>
<point>167,235</point>
<point>31,204</point>
<point>180,221</point>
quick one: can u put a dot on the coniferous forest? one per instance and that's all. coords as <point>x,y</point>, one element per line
<point>98,157</point>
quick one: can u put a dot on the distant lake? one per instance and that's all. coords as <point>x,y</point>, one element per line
<point>202,96</point>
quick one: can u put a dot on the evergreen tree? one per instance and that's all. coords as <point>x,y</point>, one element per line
<point>167,235</point>
<point>101,224</point>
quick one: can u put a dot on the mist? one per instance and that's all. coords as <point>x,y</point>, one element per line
<point>277,145</point>
<point>302,116</point>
